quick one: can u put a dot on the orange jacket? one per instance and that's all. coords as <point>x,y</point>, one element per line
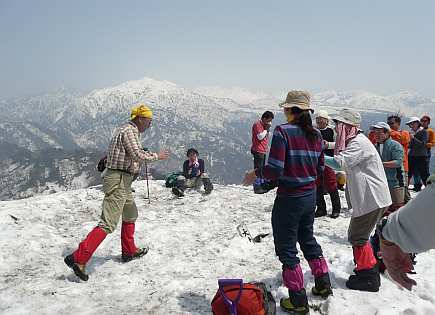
<point>431,140</point>
<point>403,137</point>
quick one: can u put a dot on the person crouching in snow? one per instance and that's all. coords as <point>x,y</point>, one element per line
<point>327,182</point>
<point>296,159</point>
<point>125,153</point>
<point>193,175</point>
<point>368,191</point>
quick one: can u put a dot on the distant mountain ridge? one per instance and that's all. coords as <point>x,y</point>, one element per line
<point>215,120</point>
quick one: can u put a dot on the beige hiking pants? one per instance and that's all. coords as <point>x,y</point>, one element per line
<point>118,200</point>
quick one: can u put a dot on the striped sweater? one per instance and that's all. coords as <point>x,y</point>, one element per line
<point>294,161</point>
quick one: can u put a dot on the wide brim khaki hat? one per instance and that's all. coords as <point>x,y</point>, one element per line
<point>348,116</point>
<point>299,99</point>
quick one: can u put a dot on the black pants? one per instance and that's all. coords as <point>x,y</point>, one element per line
<point>259,159</point>
<point>419,169</point>
<point>335,200</point>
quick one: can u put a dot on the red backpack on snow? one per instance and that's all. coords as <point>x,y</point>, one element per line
<point>236,298</point>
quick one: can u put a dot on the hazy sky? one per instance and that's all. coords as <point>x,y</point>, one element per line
<point>379,46</point>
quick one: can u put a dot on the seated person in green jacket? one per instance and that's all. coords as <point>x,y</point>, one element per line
<point>193,175</point>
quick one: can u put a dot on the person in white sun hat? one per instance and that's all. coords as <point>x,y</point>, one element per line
<point>368,191</point>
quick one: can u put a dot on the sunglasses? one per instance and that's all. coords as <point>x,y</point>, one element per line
<point>390,122</point>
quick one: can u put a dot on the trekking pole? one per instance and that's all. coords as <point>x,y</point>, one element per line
<point>148,186</point>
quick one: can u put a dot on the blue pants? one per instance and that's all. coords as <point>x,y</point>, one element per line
<point>292,221</point>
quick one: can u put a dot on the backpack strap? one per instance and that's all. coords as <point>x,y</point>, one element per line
<point>232,304</point>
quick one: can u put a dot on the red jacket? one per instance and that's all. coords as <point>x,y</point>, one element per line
<point>327,181</point>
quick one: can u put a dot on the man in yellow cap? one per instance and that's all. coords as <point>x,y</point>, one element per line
<point>124,157</point>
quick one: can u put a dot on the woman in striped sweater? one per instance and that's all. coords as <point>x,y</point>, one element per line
<point>295,160</point>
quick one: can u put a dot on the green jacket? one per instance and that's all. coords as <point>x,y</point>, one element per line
<point>392,151</point>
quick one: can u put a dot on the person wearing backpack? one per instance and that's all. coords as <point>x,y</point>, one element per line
<point>125,154</point>
<point>296,159</point>
<point>194,175</point>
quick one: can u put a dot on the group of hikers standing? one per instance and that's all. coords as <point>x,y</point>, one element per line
<point>301,163</point>
<point>300,158</point>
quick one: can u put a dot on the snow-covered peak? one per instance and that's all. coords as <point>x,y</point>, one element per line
<point>404,102</point>
<point>146,85</point>
<point>237,94</point>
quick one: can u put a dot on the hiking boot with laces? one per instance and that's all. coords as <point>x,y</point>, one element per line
<point>296,303</point>
<point>139,253</point>
<point>322,286</point>
<point>79,270</point>
<point>365,280</point>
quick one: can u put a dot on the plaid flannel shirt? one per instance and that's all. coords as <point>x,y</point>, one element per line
<point>125,151</point>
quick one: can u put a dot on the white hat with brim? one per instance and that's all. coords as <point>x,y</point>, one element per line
<point>348,116</point>
<point>322,114</point>
<point>380,125</point>
<point>413,119</point>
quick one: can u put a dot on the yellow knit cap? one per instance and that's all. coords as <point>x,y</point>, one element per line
<point>141,110</point>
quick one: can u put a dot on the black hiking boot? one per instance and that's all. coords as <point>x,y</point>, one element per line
<point>296,303</point>
<point>208,186</point>
<point>320,213</point>
<point>177,192</point>
<point>365,280</point>
<point>79,270</point>
<point>335,214</point>
<point>139,253</point>
<point>322,286</point>
<point>259,189</point>
<point>417,188</point>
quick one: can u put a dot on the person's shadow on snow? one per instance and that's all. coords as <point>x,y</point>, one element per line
<point>194,303</point>
<point>98,261</point>
<point>91,267</point>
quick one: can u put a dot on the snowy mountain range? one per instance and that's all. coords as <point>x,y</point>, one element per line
<point>217,121</point>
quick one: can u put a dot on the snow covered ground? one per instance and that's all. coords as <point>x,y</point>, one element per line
<point>193,242</point>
